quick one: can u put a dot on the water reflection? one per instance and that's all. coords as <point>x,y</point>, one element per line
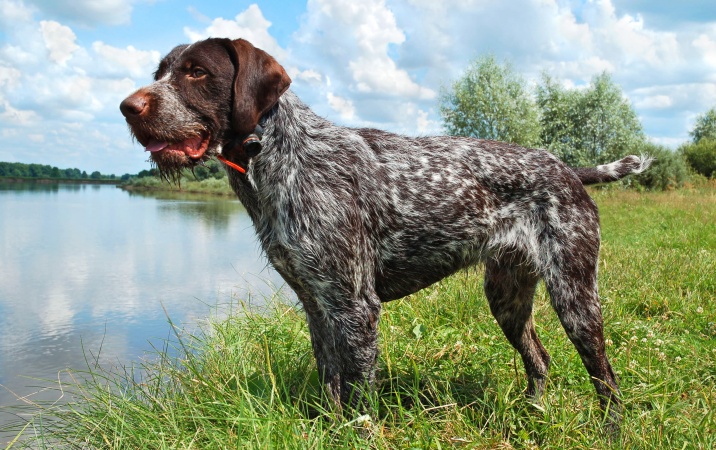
<point>88,265</point>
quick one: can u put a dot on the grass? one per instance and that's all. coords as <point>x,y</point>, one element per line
<point>208,186</point>
<point>448,378</point>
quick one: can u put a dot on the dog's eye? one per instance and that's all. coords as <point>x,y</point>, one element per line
<point>198,72</point>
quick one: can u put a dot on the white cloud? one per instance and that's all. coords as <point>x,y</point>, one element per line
<point>13,12</point>
<point>59,40</point>
<point>250,25</point>
<point>342,106</point>
<point>359,36</point>
<point>15,116</point>
<point>309,75</point>
<point>9,77</point>
<point>425,125</point>
<point>707,47</point>
<point>128,61</point>
<point>693,97</point>
<point>655,102</point>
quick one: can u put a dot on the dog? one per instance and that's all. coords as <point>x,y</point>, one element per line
<point>355,217</point>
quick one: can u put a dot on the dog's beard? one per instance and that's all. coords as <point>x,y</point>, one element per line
<point>171,165</point>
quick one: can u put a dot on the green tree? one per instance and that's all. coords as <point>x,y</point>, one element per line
<point>558,112</point>
<point>96,175</point>
<point>701,156</point>
<point>490,101</point>
<point>147,173</point>
<point>587,127</point>
<point>705,127</point>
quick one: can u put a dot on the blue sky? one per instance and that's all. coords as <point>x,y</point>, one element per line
<point>65,65</point>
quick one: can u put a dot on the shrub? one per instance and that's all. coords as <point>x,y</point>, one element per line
<point>668,171</point>
<point>701,156</point>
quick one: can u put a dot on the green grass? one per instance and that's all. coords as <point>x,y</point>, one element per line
<point>448,378</point>
<point>208,186</point>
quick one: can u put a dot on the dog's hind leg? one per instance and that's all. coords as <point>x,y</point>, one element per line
<point>572,285</point>
<point>510,287</point>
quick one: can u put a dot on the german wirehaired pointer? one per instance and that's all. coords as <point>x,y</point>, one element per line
<point>352,218</point>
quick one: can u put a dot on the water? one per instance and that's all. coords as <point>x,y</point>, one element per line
<point>90,269</point>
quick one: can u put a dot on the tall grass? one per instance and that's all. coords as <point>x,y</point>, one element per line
<point>448,378</point>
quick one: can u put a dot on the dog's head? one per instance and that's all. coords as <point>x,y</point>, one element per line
<point>204,96</point>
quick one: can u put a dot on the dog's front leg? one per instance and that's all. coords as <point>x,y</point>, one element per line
<point>344,335</point>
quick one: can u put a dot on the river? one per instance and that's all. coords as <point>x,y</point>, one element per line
<point>92,271</point>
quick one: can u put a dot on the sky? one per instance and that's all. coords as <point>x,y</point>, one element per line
<point>65,65</point>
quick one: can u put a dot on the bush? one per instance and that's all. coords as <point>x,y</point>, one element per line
<point>701,156</point>
<point>668,171</point>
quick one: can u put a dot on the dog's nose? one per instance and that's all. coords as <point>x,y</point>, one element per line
<point>133,105</point>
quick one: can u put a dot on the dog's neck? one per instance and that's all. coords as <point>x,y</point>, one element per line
<point>291,124</point>
<point>288,131</point>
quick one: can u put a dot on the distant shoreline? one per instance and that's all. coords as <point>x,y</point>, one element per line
<point>60,180</point>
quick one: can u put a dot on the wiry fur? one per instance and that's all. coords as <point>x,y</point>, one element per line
<point>352,218</point>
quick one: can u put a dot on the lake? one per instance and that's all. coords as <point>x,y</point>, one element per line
<point>88,271</point>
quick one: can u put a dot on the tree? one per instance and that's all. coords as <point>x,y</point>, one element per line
<point>96,175</point>
<point>591,126</point>
<point>490,101</point>
<point>705,127</point>
<point>701,156</point>
<point>557,108</point>
<point>701,152</point>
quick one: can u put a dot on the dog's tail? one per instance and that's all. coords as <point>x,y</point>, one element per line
<point>613,171</point>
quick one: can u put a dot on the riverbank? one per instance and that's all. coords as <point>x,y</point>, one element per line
<point>58,180</point>
<point>210,186</point>
<point>447,377</point>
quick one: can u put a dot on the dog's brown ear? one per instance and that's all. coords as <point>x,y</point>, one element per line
<point>259,80</point>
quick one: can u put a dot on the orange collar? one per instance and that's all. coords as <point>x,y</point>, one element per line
<point>237,167</point>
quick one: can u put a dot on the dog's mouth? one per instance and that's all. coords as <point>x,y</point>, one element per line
<point>171,158</point>
<point>192,148</point>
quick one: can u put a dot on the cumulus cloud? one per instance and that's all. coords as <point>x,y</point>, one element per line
<point>15,116</point>
<point>249,24</point>
<point>309,75</point>
<point>655,102</point>
<point>341,105</point>
<point>9,77</point>
<point>59,40</point>
<point>707,47</point>
<point>13,11</point>
<point>356,38</point>
<point>128,62</point>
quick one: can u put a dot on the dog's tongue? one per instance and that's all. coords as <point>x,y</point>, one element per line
<point>192,147</point>
<point>156,146</point>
